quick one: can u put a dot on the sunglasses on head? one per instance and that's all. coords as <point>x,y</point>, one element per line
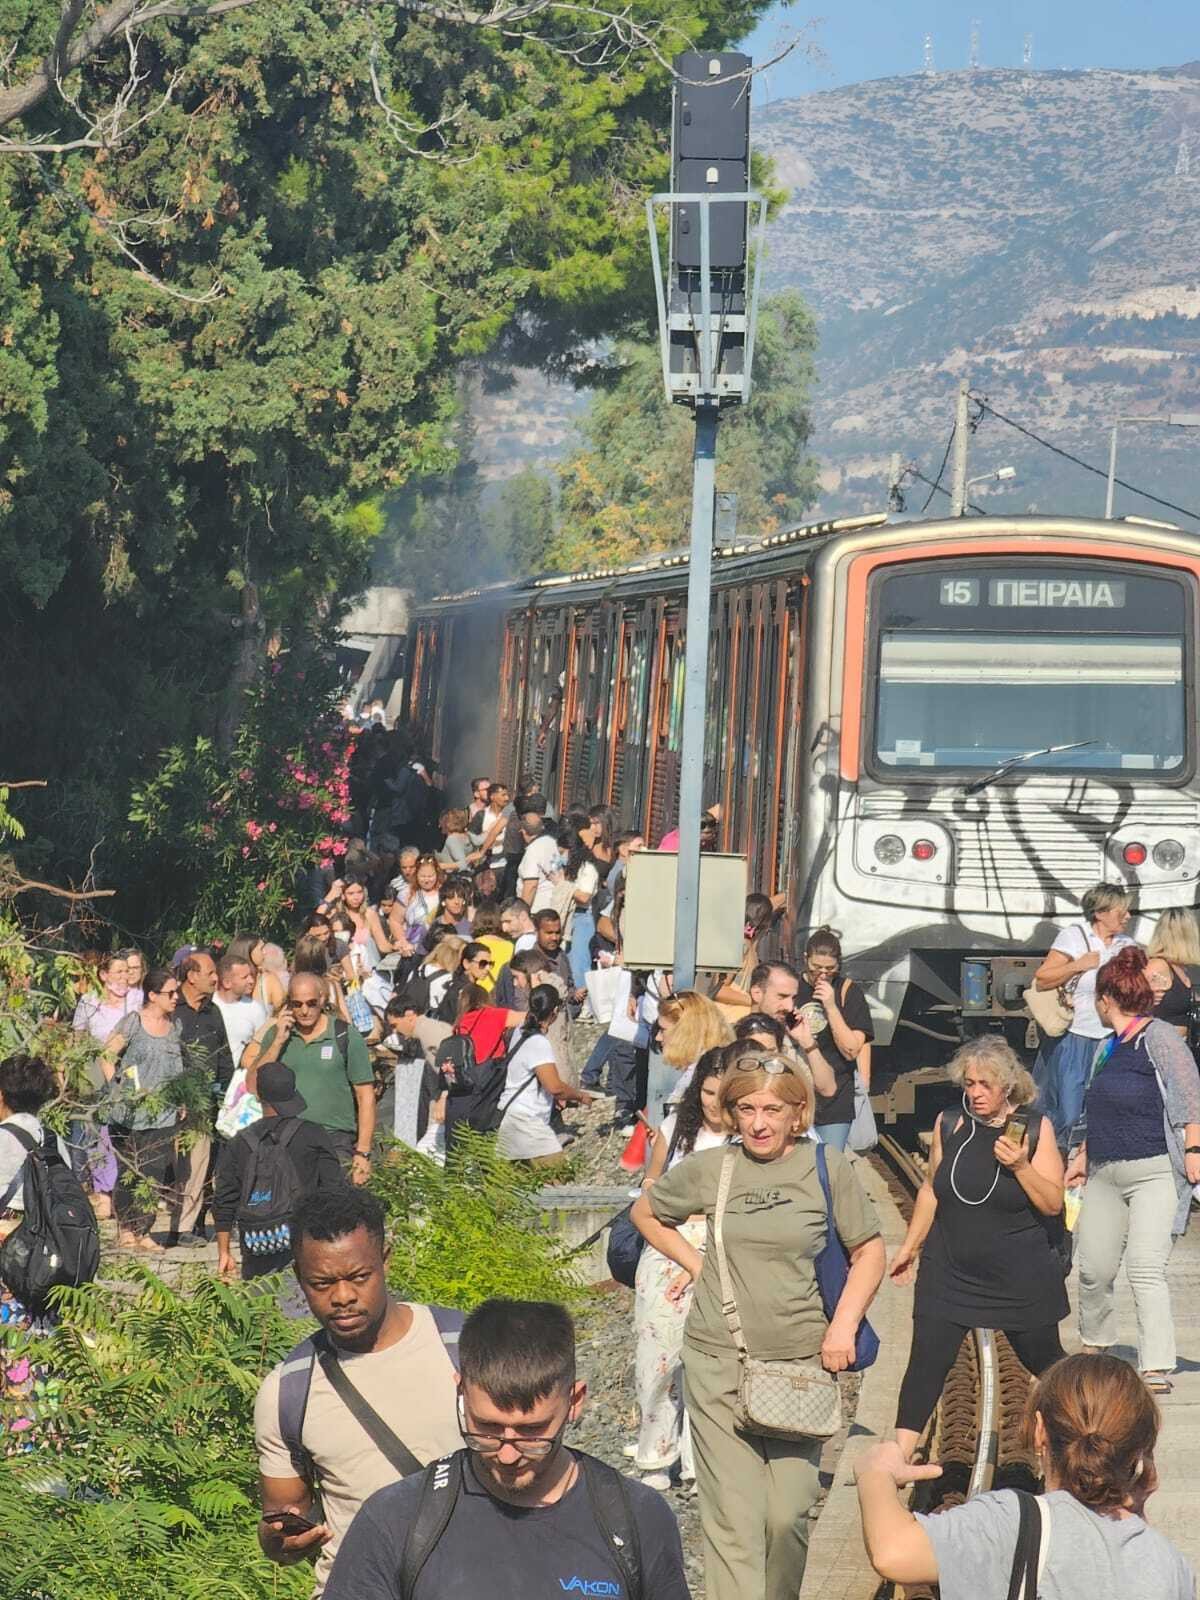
<point>773,1066</point>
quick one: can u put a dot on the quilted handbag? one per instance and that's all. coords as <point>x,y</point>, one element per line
<point>776,1399</point>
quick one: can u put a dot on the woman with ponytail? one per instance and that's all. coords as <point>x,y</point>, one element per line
<point>1092,1426</point>
<point>1138,1154</point>
<point>533,1086</point>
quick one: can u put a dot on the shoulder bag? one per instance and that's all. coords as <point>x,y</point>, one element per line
<point>1053,1009</point>
<point>776,1399</point>
<point>1032,1547</point>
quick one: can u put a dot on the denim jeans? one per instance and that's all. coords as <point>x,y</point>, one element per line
<point>834,1134</point>
<point>580,953</point>
<point>1128,1208</point>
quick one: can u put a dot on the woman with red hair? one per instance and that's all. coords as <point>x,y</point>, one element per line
<point>1139,1157</point>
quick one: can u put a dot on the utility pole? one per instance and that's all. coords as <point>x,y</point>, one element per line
<point>895,483</point>
<point>707,310</point>
<point>962,431</point>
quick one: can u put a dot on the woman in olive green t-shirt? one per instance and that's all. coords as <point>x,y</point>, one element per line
<point>756,1493</point>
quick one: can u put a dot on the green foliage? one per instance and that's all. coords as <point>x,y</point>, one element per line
<point>159,451</point>
<point>144,1486</point>
<point>220,840</point>
<point>628,488</point>
<point>470,1229</point>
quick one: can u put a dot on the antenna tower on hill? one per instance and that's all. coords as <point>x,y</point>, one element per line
<point>929,68</point>
<point>1183,161</point>
<point>973,55</point>
<point>1027,52</point>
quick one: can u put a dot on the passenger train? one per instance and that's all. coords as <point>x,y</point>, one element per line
<point>934,736</point>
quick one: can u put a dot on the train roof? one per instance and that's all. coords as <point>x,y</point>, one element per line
<point>746,557</point>
<point>650,566</point>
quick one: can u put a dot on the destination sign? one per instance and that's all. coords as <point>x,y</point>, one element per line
<point>1048,594</point>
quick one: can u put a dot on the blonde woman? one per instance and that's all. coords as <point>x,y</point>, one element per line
<point>1174,966</point>
<point>982,1230</point>
<point>688,1024</point>
<point>756,1493</point>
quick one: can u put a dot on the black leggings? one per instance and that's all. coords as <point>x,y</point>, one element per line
<point>935,1344</point>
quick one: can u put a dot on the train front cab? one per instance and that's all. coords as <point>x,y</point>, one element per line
<point>943,657</point>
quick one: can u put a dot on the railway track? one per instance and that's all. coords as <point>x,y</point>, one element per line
<point>975,1433</point>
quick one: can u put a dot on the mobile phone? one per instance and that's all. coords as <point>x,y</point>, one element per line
<point>791,1018</point>
<point>1014,1130</point>
<point>289,1523</point>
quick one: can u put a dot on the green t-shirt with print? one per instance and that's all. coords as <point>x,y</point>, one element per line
<point>774,1228</point>
<point>325,1076</point>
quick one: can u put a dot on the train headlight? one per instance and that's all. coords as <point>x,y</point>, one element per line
<point>1168,855</point>
<point>889,849</point>
<point>1134,855</point>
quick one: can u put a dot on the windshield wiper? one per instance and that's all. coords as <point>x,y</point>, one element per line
<point>1016,761</point>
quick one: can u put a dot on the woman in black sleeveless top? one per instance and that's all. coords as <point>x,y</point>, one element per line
<point>981,1230</point>
<point>1174,966</point>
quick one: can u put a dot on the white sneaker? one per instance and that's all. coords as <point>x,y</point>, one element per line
<point>657,1480</point>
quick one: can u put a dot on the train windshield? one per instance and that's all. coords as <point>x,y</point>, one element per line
<point>989,662</point>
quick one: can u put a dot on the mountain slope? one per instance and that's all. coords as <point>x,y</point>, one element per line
<point>1026,229</point>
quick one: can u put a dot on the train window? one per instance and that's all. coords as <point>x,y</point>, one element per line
<point>975,669</point>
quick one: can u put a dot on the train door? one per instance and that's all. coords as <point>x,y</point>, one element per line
<point>514,675</point>
<point>429,660</point>
<point>586,713</point>
<point>542,741</point>
<point>627,786</point>
<point>666,734</point>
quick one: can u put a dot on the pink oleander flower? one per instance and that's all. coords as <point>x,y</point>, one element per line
<point>261,885</point>
<point>245,850</point>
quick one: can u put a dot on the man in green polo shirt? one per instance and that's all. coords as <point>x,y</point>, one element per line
<point>337,1084</point>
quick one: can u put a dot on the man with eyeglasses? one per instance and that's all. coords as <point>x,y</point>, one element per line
<point>332,1068</point>
<point>516,1512</point>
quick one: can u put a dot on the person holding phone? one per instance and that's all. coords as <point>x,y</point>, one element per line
<point>395,1354</point>
<point>983,1230</point>
<point>837,1013</point>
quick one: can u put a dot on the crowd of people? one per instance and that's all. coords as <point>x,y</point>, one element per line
<point>434,985</point>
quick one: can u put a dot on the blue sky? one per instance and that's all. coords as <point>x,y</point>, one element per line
<point>877,39</point>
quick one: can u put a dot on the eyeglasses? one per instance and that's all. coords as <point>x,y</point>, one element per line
<point>488,1444</point>
<point>773,1066</point>
<point>307,1005</point>
<point>482,961</point>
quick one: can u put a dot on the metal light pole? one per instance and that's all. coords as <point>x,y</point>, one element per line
<point>706,318</point>
<point>1173,419</point>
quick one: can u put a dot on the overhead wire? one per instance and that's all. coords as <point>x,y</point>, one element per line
<point>1078,461</point>
<point>934,487</point>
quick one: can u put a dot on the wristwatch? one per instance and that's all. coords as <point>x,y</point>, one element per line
<point>1192,1150</point>
<point>365,1154</point>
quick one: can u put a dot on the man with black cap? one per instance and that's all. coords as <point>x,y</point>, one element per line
<point>282,1131</point>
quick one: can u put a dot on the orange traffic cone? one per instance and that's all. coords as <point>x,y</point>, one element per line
<point>634,1157</point>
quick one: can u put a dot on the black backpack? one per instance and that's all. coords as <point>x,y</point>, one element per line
<point>271,1186</point>
<point>479,1085</point>
<point>57,1242</point>
<point>607,1491</point>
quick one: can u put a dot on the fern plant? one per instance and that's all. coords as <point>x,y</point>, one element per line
<point>468,1230</point>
